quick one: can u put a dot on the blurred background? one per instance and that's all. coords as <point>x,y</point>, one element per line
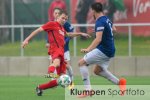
<point>18,18</point>
<point>19,67</point>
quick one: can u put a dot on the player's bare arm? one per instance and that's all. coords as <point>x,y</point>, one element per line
<point>114,28</point>
<point>26,41</point>
<point>73,34</point>
<point>94,44</point>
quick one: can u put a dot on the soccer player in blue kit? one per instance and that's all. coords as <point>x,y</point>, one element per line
<point>100,51</point>
<point>69,28</point>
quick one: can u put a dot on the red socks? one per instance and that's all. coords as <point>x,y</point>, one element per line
<point>51,69</point>
<point>50,84</point>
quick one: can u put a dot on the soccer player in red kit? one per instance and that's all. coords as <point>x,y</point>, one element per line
<point>56,35</point>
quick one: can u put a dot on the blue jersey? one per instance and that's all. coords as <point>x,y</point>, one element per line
<point>68,28</point>
<point>103,24</point>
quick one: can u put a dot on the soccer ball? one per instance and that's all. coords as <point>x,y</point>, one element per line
<point>64,80</point>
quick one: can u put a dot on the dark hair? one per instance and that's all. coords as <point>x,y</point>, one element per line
<point>63,12</point>
<point>98,7</point>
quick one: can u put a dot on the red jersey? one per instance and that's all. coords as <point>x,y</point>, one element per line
<point>56,34</point>
<point>55,4</point>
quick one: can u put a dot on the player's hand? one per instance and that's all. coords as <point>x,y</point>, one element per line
<point>84,50</point>
<point>47,45</point>
<point>86,35</point>
<point>24,43</point>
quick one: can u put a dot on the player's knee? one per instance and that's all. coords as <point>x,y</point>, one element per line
<point>56,64</point>
<point>68,65</point>
<point>96,72</point>
<point>81,63</point>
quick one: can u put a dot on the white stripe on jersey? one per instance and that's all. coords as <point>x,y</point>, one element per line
<point>99,28</point>
<point>71,27</point>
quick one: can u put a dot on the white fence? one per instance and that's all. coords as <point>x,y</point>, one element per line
<point>22,27</point>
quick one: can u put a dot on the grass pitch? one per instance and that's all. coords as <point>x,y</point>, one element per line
<point>23,87</point>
